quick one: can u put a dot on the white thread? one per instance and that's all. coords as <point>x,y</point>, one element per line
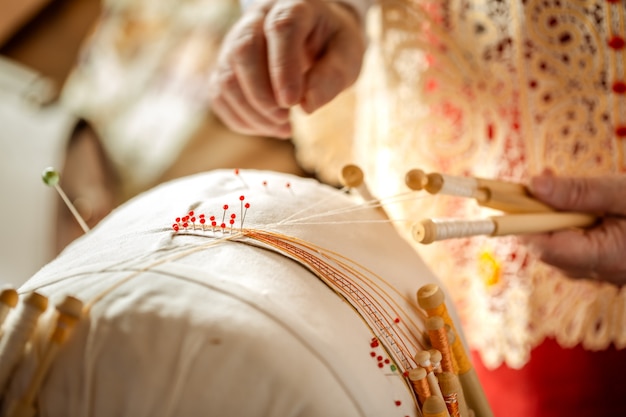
<point>410,196</point>
<point>459,186</point>
<point>449,229</point>
<point>20,327</point>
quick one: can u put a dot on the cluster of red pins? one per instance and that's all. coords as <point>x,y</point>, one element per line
<point>374,343</point>
<point>379,358</point>
<point>191,221</point>
<point>383,361</point>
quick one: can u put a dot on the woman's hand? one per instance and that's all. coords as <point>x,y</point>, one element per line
<point>283,53</point>
<point>597,252</point>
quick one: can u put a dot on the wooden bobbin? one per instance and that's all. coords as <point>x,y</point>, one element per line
<point>435,359</point>
<point>8,300</point>
<point>423,359</point>
<point>19,330</point>
<point>451,340</point>
<point>439,340</point>
<point>351,176</point>
<point>453,394</point>
<point>416,179</point>
<point>69,312</point>
<point>432,299</point>
<point>417,376</point>
<point>426,340</point>
<point>434,407</point>
<point>434,182</point>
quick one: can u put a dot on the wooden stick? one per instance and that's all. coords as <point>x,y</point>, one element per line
<point>431,230</point>
<point>514,203</point>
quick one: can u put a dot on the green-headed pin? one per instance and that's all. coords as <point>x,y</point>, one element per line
<point>51,177</point>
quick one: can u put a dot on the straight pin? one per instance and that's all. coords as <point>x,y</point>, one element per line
<point>51,177</point>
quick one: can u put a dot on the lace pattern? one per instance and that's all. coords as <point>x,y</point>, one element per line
<point>499,89</point>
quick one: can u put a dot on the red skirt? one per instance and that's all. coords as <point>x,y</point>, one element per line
<point>558,382</point>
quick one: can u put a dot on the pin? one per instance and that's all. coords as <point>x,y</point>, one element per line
<point>241,198</point>
<point>224,214</point>
<point>237,174</point>
<point>192,219</point>
<point>51,177</point>
<point>243,216</point>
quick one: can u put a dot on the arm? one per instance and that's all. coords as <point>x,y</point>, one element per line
<point>283,53</point>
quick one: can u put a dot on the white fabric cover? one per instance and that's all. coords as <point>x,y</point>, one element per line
<point>231,329</point>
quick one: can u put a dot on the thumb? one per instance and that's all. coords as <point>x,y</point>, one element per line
<point>603,194</point>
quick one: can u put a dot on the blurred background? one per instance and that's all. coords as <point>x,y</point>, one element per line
<point>113,94</point>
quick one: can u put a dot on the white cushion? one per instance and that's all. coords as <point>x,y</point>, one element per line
<point>194,324</point>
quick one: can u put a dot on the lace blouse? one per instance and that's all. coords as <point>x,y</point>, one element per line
<point>499,89</point>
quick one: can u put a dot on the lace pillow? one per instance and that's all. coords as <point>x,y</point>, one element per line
<point>234,294</point>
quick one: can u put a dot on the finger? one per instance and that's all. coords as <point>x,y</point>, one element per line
<point>335,71</point>
<point>596,252</point>
<point>231,118</point>
<point>249,62</point>
<point>256,122</point>
<point>593,194</point>
<point>287,27</point>
<point>568,249</point>
<point>235,111</point>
